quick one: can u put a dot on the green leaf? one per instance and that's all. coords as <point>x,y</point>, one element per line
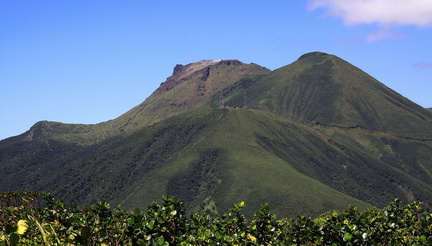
<point>151,224</point>
<point>174,199</point>
<point>218,236</point>
<point>136,212</point>
<point>347,236</point>
<point>131,220</point>
<point>161,240</point>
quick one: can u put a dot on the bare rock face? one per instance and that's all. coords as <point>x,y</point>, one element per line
<point>183,71</point>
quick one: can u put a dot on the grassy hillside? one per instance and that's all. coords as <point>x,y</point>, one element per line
<point>316,135</point>
<point>209,159</point>
<point>321,89</point>
<point>187,89</point>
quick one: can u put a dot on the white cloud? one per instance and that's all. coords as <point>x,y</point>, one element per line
<point>382,33</point>
<point>381,12</point>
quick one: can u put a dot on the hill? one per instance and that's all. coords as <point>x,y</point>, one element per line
<point>322,89</point>
<point>315,135</point>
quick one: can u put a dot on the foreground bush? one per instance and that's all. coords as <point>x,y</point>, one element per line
<point>35,219</point>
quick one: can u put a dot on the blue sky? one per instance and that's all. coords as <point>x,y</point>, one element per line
<point>91,61</point>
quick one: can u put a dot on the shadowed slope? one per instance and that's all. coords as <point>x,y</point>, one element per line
<point>214,158</point>
<point>210,159</point>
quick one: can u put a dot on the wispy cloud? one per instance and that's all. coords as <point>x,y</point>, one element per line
<point>423,65</point>
<point>383,13</point>
<point>383,33</point>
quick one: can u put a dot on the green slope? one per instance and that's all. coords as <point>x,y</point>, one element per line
<point>210,159</point>
<point>193,86</point>
<point>189,87</point>
<point>214,158</point>
<point>322,89</point>
<point>36,152</point>
<point>319,134</point>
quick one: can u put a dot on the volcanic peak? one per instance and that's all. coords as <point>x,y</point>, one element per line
<point>183,71</point>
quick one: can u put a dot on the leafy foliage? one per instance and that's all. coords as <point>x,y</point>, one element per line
<point>33,219</point>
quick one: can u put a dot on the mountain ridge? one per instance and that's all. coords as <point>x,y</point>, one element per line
<point>119,125</point>
<point>311,136</point>
<point>180,72</point>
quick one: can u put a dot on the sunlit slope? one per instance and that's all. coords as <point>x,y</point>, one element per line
<point>322,89</point>
<point>196,85</point>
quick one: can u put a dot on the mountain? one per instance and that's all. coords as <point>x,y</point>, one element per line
<point>321,89</point>
<point>315,135</point>
<point>196,85</point>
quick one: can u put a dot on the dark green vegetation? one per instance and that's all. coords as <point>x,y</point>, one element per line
<point>316,135</point>
<point>29,219</point>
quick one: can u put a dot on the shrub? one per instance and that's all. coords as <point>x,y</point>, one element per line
<point>36,219</point>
